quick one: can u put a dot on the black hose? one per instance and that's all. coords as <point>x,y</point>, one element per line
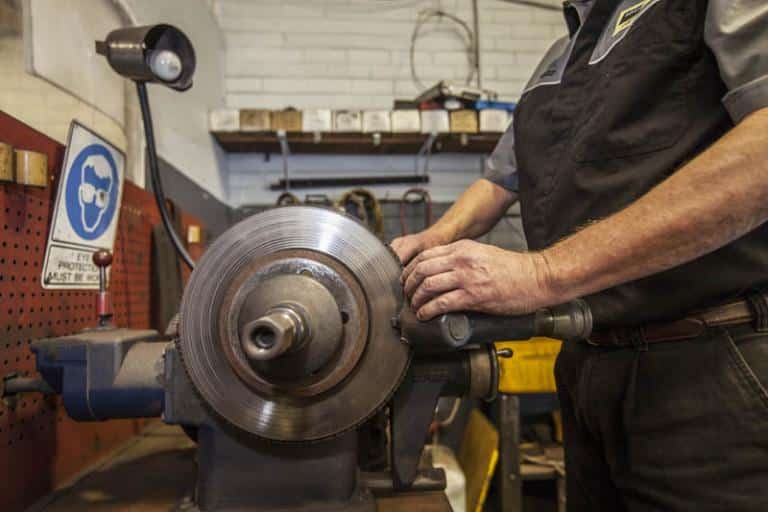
<point>154,174</point>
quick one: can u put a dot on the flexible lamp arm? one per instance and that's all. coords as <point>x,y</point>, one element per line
<point>154,174</point>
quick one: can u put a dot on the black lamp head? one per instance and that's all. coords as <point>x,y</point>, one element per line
<point>152,53</point>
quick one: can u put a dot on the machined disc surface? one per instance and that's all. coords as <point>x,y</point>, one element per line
<point>363,275</point>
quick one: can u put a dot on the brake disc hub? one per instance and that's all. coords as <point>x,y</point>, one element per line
<point>285,325</point>
<point>296,322</point>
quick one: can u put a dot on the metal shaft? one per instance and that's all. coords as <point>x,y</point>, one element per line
<point>272,335</point>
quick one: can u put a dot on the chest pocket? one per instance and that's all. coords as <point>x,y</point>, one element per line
<point>640,99</point>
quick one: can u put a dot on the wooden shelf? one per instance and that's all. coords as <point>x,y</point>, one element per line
<point>356,143</point>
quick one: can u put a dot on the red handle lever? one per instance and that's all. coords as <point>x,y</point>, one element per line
<point>103,259</point>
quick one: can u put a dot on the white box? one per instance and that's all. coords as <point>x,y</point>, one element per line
<point>224,120</point>
<point>435,121</point>
<point>317,120</point>
<point>494,120</point>
<point>377,121</point>
<point>406,121</point>
<point>349,121</point>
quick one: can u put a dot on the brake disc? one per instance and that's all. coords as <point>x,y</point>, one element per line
<point>286,325</point>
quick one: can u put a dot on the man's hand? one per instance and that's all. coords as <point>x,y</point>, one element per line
<point>408,246</point>
<point>473,214</point>
<point>468,275</point>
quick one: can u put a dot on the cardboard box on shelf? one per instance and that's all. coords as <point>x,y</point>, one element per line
<point>463,121</point>
<point>349,121</point>
<point>377,121</point>
<point>316,120</point>
<point>435,121</point>
<point>494,120</point>
<point>255,120</point>
<point>224,120</point>
<point>287,120</point>
<point>406,121</point>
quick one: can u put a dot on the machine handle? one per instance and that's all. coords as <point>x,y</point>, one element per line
<point>453,331</point>
<point>103,259</point>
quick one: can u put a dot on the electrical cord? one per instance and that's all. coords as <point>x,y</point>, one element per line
<point>154,174</point>
<point>423,18</point>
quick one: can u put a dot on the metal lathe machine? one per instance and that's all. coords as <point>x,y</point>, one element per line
<point>293,352</point>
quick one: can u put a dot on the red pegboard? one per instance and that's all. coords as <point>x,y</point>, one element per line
<point>40,447</point>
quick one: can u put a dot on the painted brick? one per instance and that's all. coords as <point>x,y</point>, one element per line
<point>328,47</point>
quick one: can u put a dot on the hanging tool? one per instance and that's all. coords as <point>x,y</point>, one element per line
<point>422,196</point>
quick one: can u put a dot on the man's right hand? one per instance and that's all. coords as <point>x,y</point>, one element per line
<point>408,246</point>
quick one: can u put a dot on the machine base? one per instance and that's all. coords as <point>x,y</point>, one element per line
<point>423,502</point>
<point>363,505</point>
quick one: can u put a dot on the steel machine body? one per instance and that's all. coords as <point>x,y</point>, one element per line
<point>293,345</point>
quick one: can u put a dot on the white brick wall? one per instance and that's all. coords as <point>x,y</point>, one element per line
<point>355,53</point>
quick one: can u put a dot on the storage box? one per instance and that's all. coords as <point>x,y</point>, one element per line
<point>316,120</point>
<point>494,120</point>
<point>349,121</point>
<point>463,121</point>
<point>435,121</point>
<point>6,162</point>
<point>255,120</point>
<point>31,168</point>
<point>377,121</point>
<point>406,121</point>
<point>286,120</point>
<point>224,120</point>
<point>531,369</point>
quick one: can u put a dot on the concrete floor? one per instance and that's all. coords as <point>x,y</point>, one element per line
<point>151,473</point>
<point>155,472</point>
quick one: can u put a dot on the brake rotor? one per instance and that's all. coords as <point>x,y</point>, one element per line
<point>286,325</point>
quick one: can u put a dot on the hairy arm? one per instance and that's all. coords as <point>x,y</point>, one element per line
<point>714,199</point>
<point>476,211</point>
<point>473,214</point>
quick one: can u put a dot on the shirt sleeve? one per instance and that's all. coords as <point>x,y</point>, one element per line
<point>737,33</point>
<point>501,167</point>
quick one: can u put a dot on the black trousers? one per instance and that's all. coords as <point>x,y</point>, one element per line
<point>674,426</point>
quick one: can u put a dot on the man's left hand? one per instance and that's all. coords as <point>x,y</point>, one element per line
<point>468,275</point>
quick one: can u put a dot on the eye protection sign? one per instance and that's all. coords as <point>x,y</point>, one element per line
<point>86,210</point>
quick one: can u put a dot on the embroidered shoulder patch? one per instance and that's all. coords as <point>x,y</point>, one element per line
<point>624,16</point>
<point>628,16</point>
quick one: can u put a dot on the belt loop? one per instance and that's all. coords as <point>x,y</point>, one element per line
<point>759,306</point>
<point>636,336</point>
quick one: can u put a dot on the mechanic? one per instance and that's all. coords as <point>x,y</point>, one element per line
<point>639,151</point>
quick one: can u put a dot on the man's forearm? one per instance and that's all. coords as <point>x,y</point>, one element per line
<point>475,212</point>
<point>714,199</point>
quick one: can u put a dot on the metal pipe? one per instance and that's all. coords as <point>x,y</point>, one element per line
<point>13,385</point>
<point>476,40</point>
<point>272,335</point>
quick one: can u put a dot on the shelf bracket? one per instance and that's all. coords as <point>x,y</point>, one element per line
<point>426,151</point>
<point>285,150</point>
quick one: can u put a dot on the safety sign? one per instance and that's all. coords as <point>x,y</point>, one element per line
<point>86,210</point>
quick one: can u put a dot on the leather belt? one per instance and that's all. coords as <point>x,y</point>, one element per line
<point>692,326</point>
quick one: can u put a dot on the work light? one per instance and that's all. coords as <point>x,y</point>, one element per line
<point>153,54</point>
